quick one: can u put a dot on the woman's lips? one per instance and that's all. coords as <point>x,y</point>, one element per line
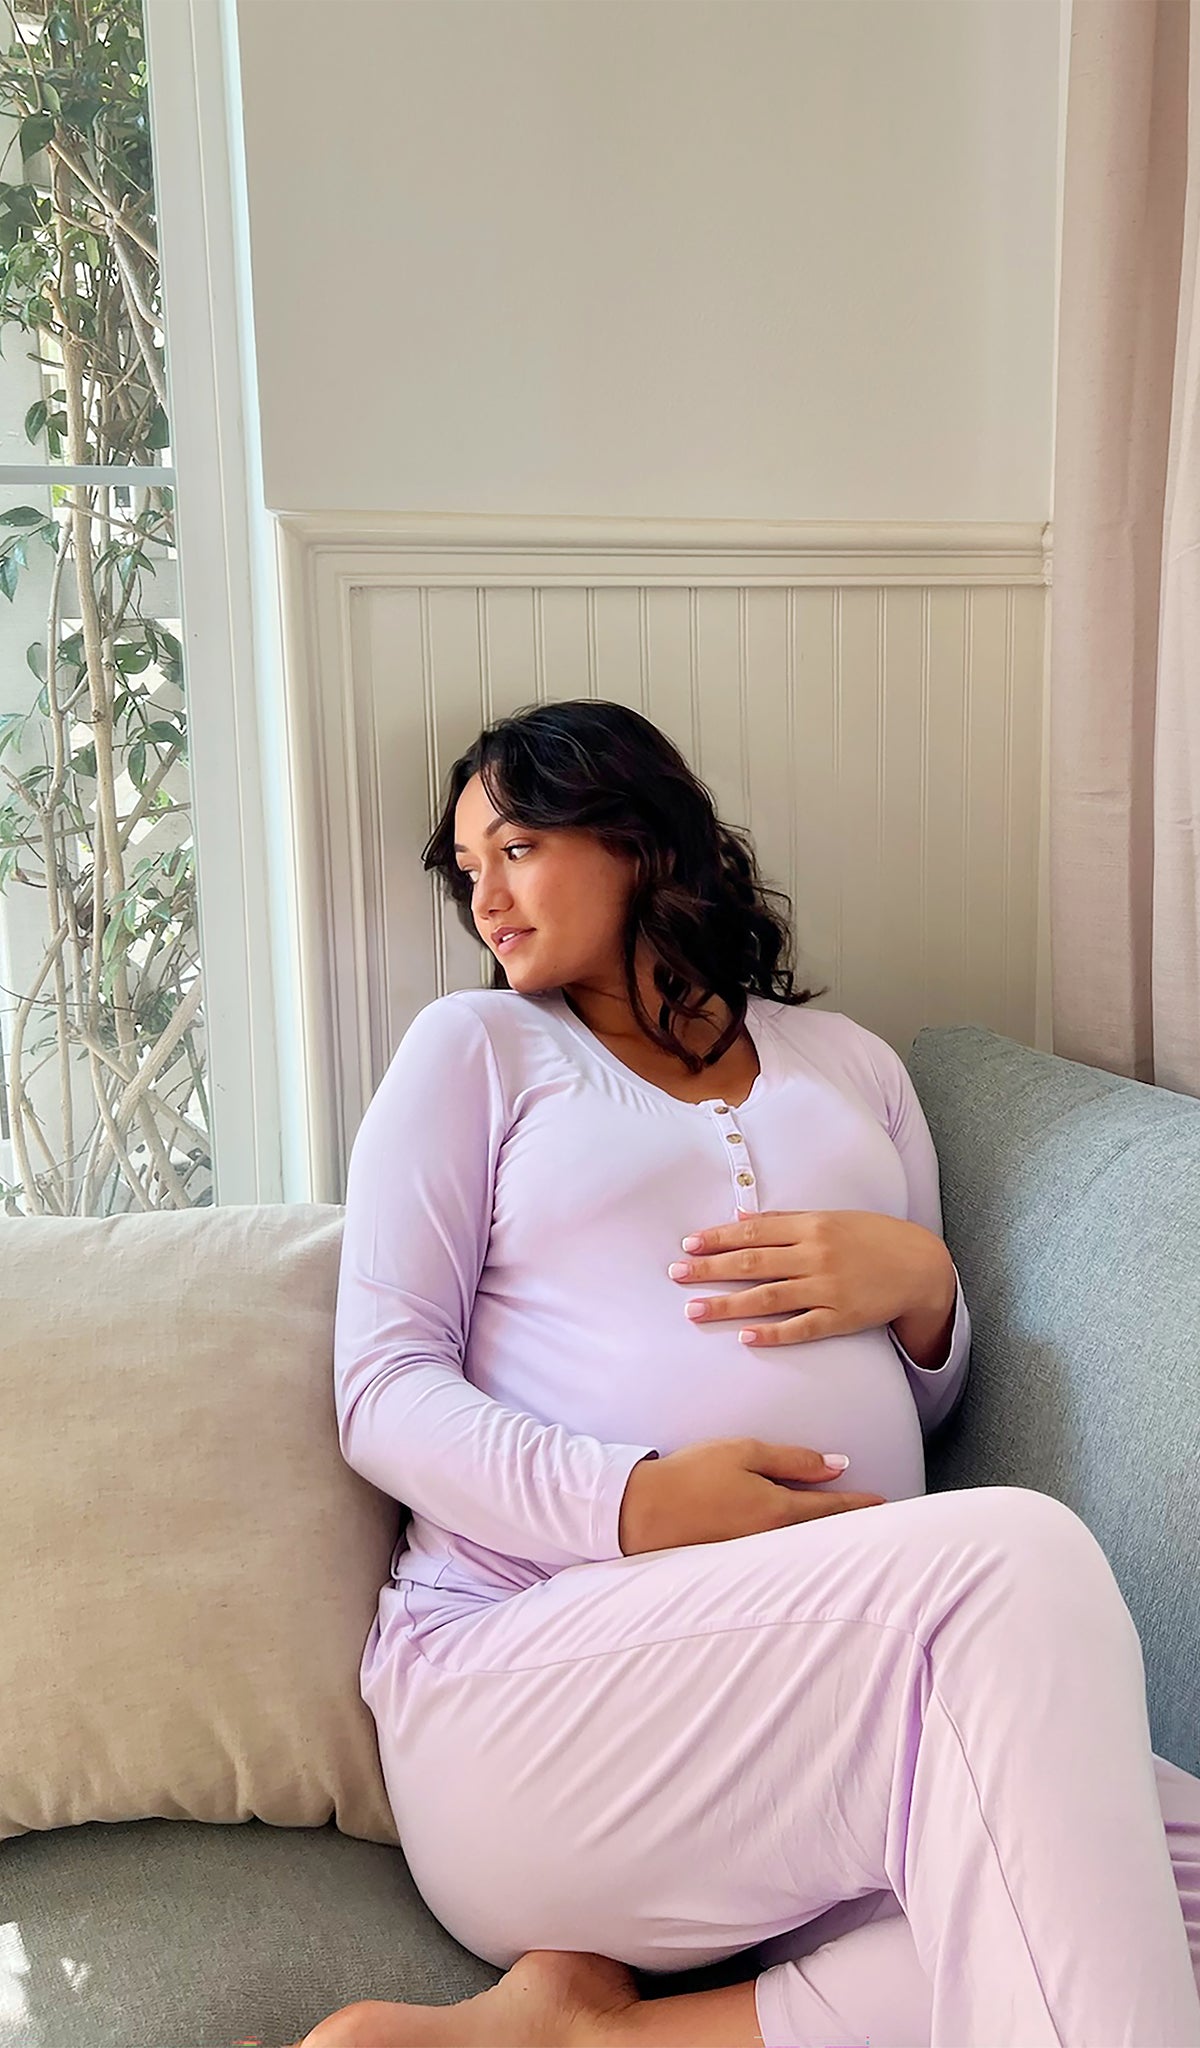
<point>514,939</point>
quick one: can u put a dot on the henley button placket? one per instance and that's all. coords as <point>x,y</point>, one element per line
<point>745,1189</point>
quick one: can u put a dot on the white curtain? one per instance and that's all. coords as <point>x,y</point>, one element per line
<point>1125,598</point>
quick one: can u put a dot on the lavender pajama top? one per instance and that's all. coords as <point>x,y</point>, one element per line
<point>508,1343</point>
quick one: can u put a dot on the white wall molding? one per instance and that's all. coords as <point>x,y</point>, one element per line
<point>865,698</point>
<point>500,549</point>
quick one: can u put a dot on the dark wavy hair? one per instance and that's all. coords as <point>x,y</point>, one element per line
<point>697,901</point>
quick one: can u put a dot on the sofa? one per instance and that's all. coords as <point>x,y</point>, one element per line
<point>196,1849</point>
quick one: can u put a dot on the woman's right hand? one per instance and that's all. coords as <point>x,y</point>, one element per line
<point>726,1486</point>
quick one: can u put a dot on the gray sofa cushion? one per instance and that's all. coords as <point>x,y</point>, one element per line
<point>1071,1204</point>
<point>185,1934</point>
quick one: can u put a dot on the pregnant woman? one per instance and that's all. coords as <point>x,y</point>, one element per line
<point>639,1251</point>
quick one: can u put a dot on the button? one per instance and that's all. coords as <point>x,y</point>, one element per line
<point>734,1138</point>
<point>745,1180</point>
<point>722,1109</point>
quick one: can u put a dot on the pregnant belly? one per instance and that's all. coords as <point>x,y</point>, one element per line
<point>848,1394</point>
<point>855,1399</point>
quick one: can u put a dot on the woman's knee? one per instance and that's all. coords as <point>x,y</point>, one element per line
<point>1045,1547</point>
<point>1035,1519</point>
<point>1027,1526</point>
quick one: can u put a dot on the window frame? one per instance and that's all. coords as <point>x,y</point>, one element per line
<point>243,817</point>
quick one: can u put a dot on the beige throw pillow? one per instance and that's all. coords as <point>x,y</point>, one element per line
<point>188,1568</point>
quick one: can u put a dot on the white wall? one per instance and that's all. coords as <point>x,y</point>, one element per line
<point>575,277</point>
<point>762,259</point>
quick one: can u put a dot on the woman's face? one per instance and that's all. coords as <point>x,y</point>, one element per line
<point>561,886</point>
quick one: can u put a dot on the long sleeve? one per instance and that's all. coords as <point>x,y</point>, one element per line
<point>937,1390</point>
<point>417,1219</point>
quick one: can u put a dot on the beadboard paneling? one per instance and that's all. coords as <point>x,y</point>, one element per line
<point>866,700</point>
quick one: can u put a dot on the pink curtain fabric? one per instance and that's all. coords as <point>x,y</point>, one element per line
<point>1125,593</point>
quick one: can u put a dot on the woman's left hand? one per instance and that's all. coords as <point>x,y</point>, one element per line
<point>836,1270</point>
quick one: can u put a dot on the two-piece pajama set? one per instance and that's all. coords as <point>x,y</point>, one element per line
<point>906,1747</point>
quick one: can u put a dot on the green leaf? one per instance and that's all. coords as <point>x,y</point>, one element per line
<point>137,763</point>
<point>8,576</point>
<point>22,515</point>
<point>22,204</point>
<point>131,657</point>
<point>35,133</point>
<point>158,433</point>
<point>167,735</point>
<point>15,820</point>
<point>35,655</point>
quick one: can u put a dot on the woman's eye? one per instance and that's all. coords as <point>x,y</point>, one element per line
<point>514,845</point>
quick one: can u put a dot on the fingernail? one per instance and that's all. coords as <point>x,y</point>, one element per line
<point>835,1461</point>
<point>690,1244</point>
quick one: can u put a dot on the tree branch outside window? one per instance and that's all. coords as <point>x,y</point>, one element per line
<point>103,1059</point>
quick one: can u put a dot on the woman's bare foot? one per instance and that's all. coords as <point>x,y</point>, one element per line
<point>551,1998</point>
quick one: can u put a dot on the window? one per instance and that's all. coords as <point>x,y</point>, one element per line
<point>129,1079</point>
<point>104,1076</point>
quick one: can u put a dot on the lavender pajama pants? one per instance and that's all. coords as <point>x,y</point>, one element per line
<point>906,1745</point>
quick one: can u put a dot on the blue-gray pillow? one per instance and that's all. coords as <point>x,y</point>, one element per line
<point>1071,1206</point>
